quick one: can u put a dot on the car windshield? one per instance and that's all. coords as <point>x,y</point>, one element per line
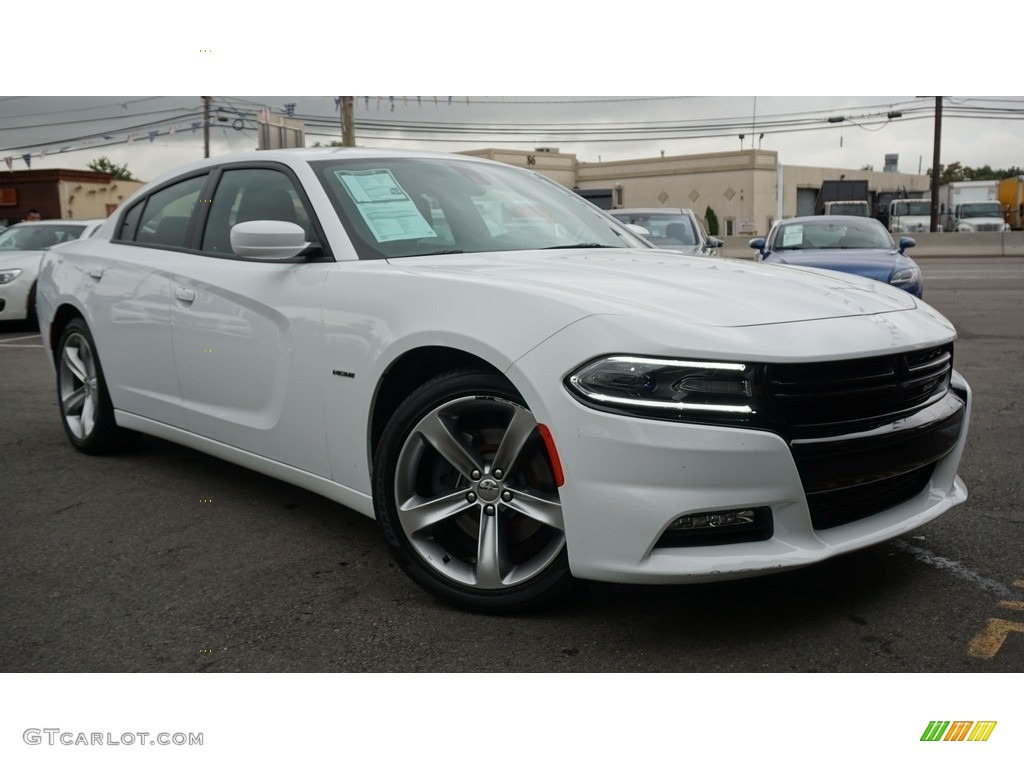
<point>667,229</point>
<point>912,208</point>
<point>38,237</point>
<point>980,210</point>
<point>849,209</point>
<point>399,207</point>
<point>829,235</point>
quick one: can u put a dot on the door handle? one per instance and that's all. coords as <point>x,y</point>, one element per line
<point>186,295</point>
<point>95,273</point>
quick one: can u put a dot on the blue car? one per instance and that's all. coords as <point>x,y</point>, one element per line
<point>854,244</point>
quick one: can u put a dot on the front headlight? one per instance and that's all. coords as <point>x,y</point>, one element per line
<point>6,275</point>
<point>658,388</point>
<point>909,275</point>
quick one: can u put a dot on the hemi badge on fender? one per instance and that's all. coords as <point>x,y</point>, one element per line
<point>346,374</point>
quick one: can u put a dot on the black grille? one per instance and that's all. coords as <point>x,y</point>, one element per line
<point>832,508</point>
<point>856,393</point>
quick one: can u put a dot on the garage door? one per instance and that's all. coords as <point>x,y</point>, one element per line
<point>805,199</point>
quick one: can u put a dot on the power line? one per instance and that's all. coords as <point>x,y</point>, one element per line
<point>122,104</point>
<point>105,118</point>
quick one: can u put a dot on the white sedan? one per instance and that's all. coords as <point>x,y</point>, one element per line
<point>520,390</point>
<point>21,251</point>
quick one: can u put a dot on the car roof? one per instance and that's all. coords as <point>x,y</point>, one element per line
<point>834,219</point>
<point>313,154</point>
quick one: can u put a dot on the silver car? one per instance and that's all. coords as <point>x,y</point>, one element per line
<point>672,229</point>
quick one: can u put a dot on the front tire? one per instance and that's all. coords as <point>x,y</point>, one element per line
<point>30,309</point>
<point>466,496</point>
<point>86,411</point>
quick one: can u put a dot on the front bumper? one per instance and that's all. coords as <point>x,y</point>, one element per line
<point>628,479</point>
<point>14,299</point>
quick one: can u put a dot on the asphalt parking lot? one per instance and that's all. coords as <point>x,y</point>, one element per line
<point>166,560</point>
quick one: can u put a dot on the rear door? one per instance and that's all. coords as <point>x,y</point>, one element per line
<point>130,283</point>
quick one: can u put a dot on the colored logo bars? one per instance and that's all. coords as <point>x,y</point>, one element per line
<point>958,730</point>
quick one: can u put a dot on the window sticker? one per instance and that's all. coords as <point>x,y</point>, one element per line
<point>385,207</point>
<point>793,236</point>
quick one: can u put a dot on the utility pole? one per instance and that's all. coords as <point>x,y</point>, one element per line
<point>348,122</point>
<point>206,125</point>
<point>935,165</point>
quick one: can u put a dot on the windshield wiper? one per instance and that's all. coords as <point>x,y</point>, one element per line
<point>433,253</point>
<point>578,245</point>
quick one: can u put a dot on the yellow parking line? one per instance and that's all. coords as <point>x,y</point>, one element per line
<point>21,346</point>
<point>986,644</point>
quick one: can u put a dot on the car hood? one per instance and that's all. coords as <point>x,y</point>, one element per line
<point>701,290</point>
<point>878,265</point>
<point>9,259</point>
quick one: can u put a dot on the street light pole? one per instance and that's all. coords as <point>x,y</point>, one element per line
<point>206,125</point>
<point>348,127</point>
<point>935,166</point>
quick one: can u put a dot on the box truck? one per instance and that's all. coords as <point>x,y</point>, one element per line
<point>1011,198</point>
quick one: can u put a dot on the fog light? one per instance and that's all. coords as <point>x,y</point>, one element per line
<point>714,519</point>
<point>725,526</point>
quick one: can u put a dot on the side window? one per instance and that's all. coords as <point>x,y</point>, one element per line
<point>130,222</point>
<point>251,194</point>
<point>164,216</point>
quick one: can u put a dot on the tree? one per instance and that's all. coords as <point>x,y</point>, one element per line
<point>105,165</point>
<point>712,219</point>
<point>953,172</point>
<point>957,172</point>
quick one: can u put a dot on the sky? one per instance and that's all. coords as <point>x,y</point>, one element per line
<point>155,134</point>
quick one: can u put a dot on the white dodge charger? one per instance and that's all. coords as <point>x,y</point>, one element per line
<point>519,389</point>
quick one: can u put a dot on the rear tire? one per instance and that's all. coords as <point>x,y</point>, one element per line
<point>86,411</point>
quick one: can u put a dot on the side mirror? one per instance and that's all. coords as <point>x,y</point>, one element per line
<point>636,229</point>
<point>758,243</point>
<point>714,242</point>
<point>268,240</point>
<point>907,242</point>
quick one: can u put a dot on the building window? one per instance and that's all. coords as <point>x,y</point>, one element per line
<point>730,225</point>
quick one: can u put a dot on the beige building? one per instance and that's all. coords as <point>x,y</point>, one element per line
<point>559,167</point>
<point>59,193</point>
<point>747,190</point>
